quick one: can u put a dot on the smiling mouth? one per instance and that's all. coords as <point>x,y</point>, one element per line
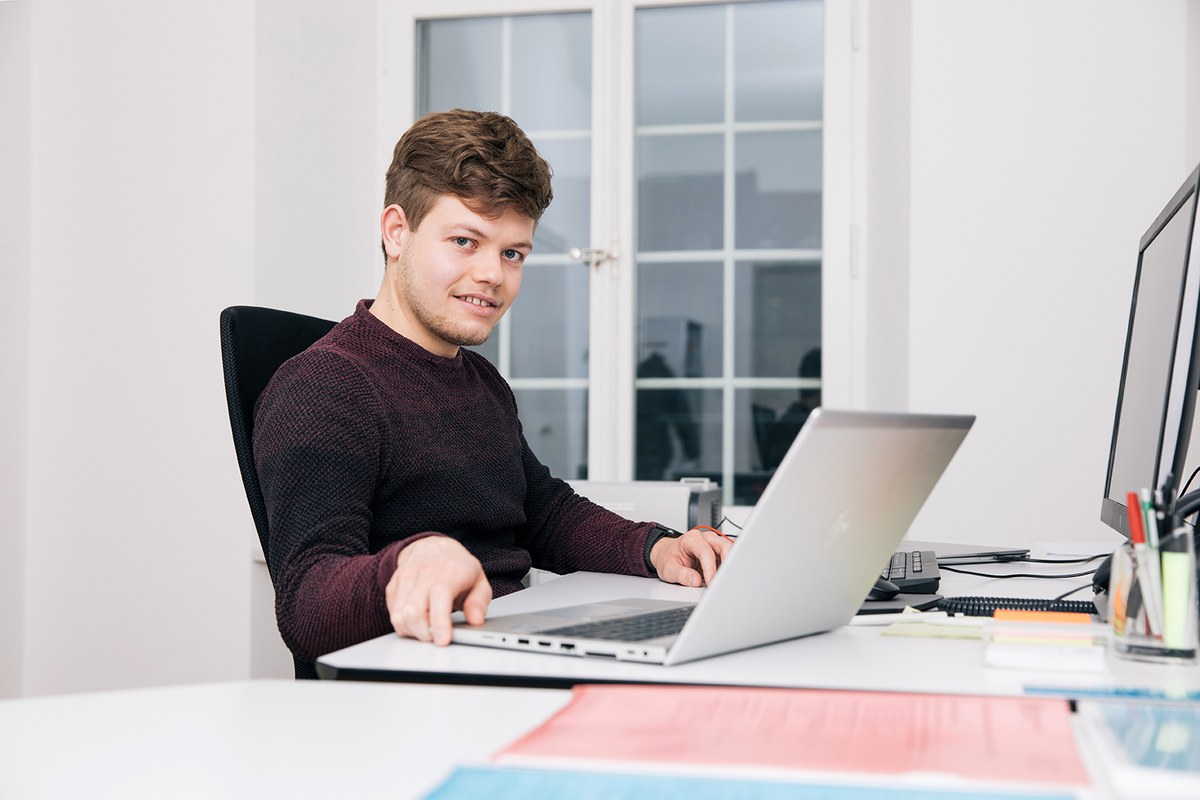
<point>478,301</point>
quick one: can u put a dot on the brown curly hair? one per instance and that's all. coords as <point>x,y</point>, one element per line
<point>481,157</point>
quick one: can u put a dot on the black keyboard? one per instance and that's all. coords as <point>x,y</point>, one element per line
<point>636,628</point>
<point>986,606</point>
<point>914,571</point>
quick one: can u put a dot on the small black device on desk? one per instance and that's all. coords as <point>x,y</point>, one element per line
<point>913,571</point>
<point>910,578</point>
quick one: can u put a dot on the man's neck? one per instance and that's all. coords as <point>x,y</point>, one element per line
<point>393,312</point>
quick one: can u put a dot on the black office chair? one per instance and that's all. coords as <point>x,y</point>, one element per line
<point>764,425</point>
<point>254,343</point>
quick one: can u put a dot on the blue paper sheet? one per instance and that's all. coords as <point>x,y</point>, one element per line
<point>497,783</point>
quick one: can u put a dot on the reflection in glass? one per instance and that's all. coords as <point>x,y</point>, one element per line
<point>557,98</point>
<point>680,192</point>
<point>549,323</point>
<point>679,315</point>
<point>767,420</point>
<point>680,65</point>
<point>555,426</point>
<point>448,78</point>
<point>778,190</point>
<point>777,415</point>
<point>778,55</point>
<point>566,222</point>
<point>778,310</point>
<point>678,430</point>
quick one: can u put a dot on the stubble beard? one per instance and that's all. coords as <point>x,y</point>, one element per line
<point>439,324</point>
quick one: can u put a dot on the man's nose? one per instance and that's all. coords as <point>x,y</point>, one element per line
<point>488,267</point>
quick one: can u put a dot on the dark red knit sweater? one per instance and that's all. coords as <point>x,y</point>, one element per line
<point>366,442</point>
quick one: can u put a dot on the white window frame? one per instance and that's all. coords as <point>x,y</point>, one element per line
<point>612,289</point>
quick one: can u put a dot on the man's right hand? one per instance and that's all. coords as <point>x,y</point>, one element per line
<point>436,576</point>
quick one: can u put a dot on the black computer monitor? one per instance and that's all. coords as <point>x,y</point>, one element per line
<point>1160,374</point>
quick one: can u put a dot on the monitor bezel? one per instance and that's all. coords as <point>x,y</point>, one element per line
<point>1113,512</point>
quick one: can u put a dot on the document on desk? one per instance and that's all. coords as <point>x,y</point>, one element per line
<point>767,733</point>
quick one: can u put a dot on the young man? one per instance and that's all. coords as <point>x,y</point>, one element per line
<point>398,483</point>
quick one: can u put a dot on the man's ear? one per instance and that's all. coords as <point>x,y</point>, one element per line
<point>393,225</point>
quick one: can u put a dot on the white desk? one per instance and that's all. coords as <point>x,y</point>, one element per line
<point>258,739</point>
<point>847,658</point>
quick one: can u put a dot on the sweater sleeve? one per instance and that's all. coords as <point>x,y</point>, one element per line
<point>566,532</point>
<point>318,448</point>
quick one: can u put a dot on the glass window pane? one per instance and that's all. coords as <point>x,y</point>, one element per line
<point>447,78</point>
<point>680,65</point>
<point>555,426</point>
<point>678,433</point>
<point>778,190</point>
<point>566,222</point>
<point>767,421</point>
<point>549,323</point>
<point>681,192</point>
<point>679,318</point>
<point>552,71</point>
<point>778,55</point>
<point>778,310</point>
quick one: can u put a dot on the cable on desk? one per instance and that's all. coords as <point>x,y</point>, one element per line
<point>1070,592</point>
<point>1024,559</point>
<point>1016,574</point>
<point>986,606</point>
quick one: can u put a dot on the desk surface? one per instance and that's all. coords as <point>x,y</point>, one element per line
<point>255,739</point>
<point>850,657</point>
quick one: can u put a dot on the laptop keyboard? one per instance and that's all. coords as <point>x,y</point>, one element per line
<point>636,628</point>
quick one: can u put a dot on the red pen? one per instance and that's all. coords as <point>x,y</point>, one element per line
<point>1145,571</point>
<point>1137,533</point>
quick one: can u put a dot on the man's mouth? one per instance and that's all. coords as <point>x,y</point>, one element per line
<point>478,301</point>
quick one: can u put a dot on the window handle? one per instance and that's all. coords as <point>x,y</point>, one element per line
<point>592,256</point>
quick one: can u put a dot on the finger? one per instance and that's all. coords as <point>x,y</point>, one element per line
<point>414,615</point>
<point>720,546</point>
<point>708,561</point>
<point>701,553</point>
<point>476,602</point>
<point>440,606</point>
<point>686,576</point>
<point>398,598</point>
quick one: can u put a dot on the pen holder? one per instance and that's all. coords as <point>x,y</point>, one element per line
<point>1152,600</point>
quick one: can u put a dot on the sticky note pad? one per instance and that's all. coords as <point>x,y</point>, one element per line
<point>1015,615</point>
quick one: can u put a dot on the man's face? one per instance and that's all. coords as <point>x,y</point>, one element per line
<point>457,274</point>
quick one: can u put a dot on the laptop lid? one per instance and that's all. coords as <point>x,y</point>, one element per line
<point>840,501</point>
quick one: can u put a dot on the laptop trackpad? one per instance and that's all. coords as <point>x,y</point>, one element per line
<point>588,612</point>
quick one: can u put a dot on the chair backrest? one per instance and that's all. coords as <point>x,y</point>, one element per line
<point>254,343</point>
<point>764,421</point>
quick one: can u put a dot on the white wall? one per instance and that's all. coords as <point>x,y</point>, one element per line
<point>142,228</point>
<point>319,182</point>
<point>1045,139</point>
<point>165,160</point>
<point>14,330</point>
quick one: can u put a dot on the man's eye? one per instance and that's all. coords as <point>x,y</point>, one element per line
<point>462,241</point>
<point>514,255</point>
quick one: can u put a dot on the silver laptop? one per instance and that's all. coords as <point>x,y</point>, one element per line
<point>841,500</point>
